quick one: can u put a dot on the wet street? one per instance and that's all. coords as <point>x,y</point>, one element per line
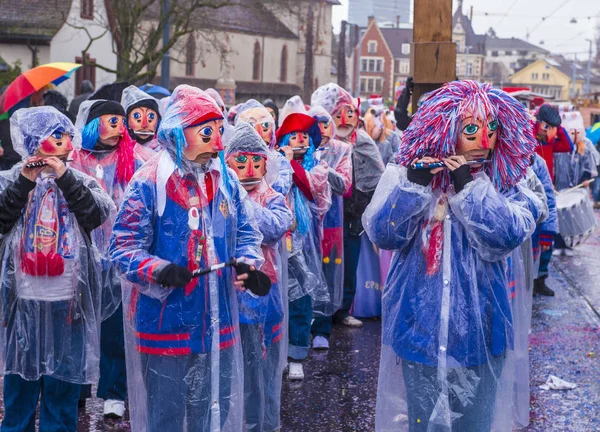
<point>339,391</point>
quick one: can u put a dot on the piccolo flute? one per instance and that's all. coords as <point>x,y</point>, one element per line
<point>42,163</point>
<point>212,268</point>
<point>250,182</point>
<point>432,165</point>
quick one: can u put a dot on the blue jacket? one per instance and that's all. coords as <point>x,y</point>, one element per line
<point>155,227</point>
<point>546,230</point>
<point>447,290</point>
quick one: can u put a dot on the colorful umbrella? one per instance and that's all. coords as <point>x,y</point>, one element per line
<point>33,80</point>
<point>593,133</point>
<point>156,91</point>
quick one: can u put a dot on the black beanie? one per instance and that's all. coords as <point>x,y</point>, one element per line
<point>101,108</point>
<point>548,114</point>
<point>145,103</point>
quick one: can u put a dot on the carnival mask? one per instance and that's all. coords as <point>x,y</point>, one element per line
<point>203,141</point>
<point>546,133</point>
<point>326,131</point>
<point>58,144</point>
<point>111,129</point>
<point>300,141</point>
<point>477,138</point>
<point>249,167</point>
<point>263,125</point>
<point>143,122</point>
<point>375,125</point>
<point>346,120</point>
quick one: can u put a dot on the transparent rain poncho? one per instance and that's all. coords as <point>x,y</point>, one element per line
<point>292,105</point>
<point>132,96</point>
<point>50,282</point>
<point>337,155</point>
<point>106,165</point>
<point>447,337</point>
<point>264,320</point>
<point>184,358</point>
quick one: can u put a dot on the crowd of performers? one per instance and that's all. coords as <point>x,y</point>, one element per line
<point>184,257</point>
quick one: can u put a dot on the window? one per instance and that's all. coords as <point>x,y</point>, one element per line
<point>85,72</point>
<point>507,52</point>
<point>469,69</point>
<point>363,65</point>
<point>372,45</point>
<point>283,65</point>
<point>379,66</point>
<point>405,48</point>
<point>397,66</point>
<point>87,9</point>
<point>371,65</point>
<point>363,85</point>
<point>545,76</point>
<point>523,53</point>
<point>494,53</point>
<point>378,85</point>
<point>256,62</point>
<point>404,67</point>
<point>534,76</point>
<point>190,56</point>
<point>459,46</point>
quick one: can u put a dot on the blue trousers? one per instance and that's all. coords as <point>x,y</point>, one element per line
<point>545,258</point>
<point>596,189</point>
<point>299,327</point>
<point>322,324</point>
<point>178,391</point>
<point>58,404</point>
<point>473,398</point>
<point>262,380</point>
<point>113,377</point>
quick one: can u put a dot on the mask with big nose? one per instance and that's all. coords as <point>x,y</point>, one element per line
<point>346,120</point>
<point>477,138</point>
<point>111,129</point>
<point>203,140</point>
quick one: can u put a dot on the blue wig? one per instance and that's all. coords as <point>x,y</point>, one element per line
<point>300,207</point>
<point>90,134</point>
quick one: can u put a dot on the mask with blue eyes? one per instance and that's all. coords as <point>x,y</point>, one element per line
<point>477,136</point>
<point>203,139</point>
<point>59,143</point>
<point>142,123</point>
<point>111,129</point>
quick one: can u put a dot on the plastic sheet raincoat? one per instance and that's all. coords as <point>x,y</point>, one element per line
<point>338,157</point>
<point>263,320</point>
<point>132,98</point>
<point>51,291</point>
<point>184,360</point>
<point>112,168</point>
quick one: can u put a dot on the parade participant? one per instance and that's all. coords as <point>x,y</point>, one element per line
<point>550,135</point>
<point>262,319</point>
<point>110,156</point>
<point>309,199</point>
<point>292,105</point>
<point>338,157</point>
<point>184,362</point>
<point>387,141</point>
<point>447,327</point>
<point>51,288</point>
<point>273,109</point>
<point>367,168</point>
<point>256,114</point>
<point>143,116</point>
<point>403,119</point>
<point>545,231</point>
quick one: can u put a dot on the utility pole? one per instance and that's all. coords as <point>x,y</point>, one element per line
<point>433,56</point>
<point>574,76</point>
<point>358,53</point>
<point>467,49</point>
<point>341,66</point>
<point>588,87</point>
<point>165,74</point>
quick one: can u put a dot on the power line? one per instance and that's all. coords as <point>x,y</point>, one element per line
<point>549,15</point>
<point>507,12</point>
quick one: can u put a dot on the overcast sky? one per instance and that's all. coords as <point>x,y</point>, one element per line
<point>514,18</point>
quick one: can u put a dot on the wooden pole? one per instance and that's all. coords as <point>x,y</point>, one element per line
<point>434,53</point>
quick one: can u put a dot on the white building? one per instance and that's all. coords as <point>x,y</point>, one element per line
<point>505,56</point>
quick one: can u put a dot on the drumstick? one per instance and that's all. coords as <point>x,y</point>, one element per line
<point>581,185</point>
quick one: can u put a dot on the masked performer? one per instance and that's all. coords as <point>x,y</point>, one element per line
<point>447,325</point>
<point>143,116</point>
<point>185,211</point>
<point>385,138</point>
<point>50,283</point>
<point>262,319</point>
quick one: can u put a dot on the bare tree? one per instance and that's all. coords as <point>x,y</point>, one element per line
<point>137,28</point>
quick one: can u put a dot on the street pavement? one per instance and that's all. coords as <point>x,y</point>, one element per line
<point>340,388</point>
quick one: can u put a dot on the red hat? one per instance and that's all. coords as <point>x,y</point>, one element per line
<point>191,106</point>
<point>296,122</point>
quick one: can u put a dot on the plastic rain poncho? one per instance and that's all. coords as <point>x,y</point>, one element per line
<point>264,320</point>
<point>521,271</point>
<point>292,105</point>
<point>108,167</point>
<point>388,142</point>
<point>256,114</point>
<point>337,155</point>
<point>184,359</point>
<point>447,330</point>
<point>545,231</point>
<point>51,290</point>
<point>303,241</point>
<point>132,97</point>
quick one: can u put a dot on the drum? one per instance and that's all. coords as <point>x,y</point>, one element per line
<point>576,219</point>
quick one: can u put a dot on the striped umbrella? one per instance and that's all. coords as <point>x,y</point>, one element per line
<point>33,80</point>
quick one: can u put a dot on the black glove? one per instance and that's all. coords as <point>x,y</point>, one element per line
<point>460,177</point>
<point>257,282</point>
<point>410,84</point>
<point>174,275</point>
<point>421,177</point>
